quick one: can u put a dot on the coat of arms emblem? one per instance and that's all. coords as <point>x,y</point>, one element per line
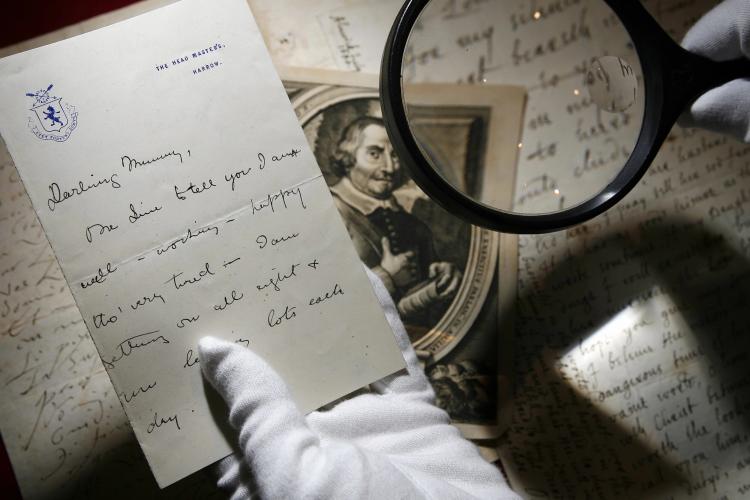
<point>53,119</point>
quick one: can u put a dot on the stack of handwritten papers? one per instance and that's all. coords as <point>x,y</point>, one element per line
<point>181,199</point>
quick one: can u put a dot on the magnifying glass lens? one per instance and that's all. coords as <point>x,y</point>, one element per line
<point>526,107</point>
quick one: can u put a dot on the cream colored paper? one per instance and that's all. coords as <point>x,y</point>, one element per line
<point>185,202</point>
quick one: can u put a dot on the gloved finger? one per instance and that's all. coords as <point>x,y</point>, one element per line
<point>288,460</point>
<point>415,380</point>
<point>725,109</point>
<point>233,476</point>
<point>273,434</point>
<point>723,33</point>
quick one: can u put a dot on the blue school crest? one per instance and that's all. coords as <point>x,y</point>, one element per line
<point>53,120</point>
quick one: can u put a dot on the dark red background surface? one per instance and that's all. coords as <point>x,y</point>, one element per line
<point>23,20</point>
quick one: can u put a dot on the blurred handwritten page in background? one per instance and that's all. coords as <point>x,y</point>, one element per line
<point>631,342</point>
<point>177,189</point>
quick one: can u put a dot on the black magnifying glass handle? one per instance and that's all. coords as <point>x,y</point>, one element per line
<point>694,75</point>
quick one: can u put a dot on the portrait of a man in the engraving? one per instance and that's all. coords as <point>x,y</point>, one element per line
<point>440,271</point>
<point>395,244</point>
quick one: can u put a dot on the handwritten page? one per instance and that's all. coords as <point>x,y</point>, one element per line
<point>634,348</point>
<point>631,342</point>
<point>182,200</point>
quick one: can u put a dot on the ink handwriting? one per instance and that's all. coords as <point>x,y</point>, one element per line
<point>194,189</point>
<point>188,236</point>
<point>135,215</point>
<point>127,346</point>
<point>132,163</point>
<point>273,320</point>
<point>262,240</point>
<point>101,228</point>
<point>57,195</point>
<point>271,200</point>
<point>336,290</point>
<point>234,296</point>
<point>160,421</point>
<point>100,277</point>
<point>129,396</point>
<point>274,281</point>
<point>205,271</point>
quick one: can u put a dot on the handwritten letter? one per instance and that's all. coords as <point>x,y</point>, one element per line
<point>181,199</point>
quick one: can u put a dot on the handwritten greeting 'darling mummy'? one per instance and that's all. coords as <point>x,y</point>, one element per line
<point>185,203</point>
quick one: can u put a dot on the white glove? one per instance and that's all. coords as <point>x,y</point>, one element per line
<point>392,443</point>
<point>722,34</point>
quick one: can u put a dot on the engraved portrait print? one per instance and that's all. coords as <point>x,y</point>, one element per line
<point>438,269</point>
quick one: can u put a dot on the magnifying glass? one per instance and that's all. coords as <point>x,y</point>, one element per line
<point>602,85</point>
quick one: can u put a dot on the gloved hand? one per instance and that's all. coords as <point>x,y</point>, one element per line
<point>722,34</point>
<point>391,443</point>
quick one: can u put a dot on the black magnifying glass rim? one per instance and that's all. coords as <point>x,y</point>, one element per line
<point>652,46</point>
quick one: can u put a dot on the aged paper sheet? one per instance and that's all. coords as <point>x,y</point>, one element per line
<point>631,346</point>
<point>187,211</point>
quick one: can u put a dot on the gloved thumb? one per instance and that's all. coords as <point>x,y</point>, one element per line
<point>273,434</point>
<point>723,33</point>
